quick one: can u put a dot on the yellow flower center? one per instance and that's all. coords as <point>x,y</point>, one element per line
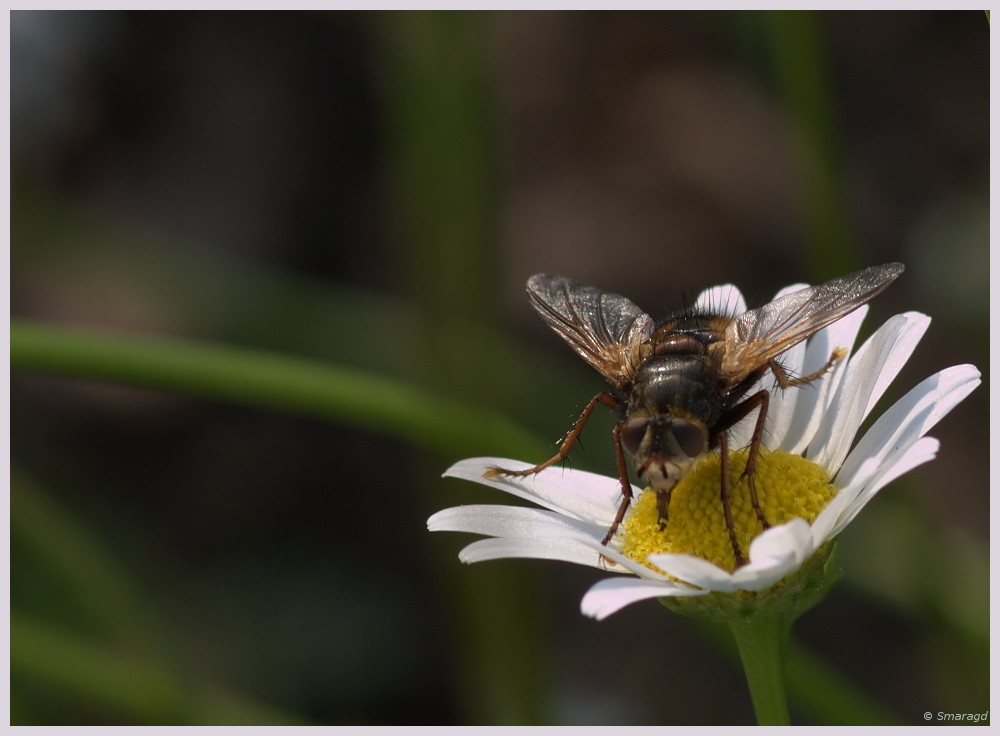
<point>788,486</point>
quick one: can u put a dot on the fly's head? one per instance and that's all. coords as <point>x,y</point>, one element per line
<point>664,446</point>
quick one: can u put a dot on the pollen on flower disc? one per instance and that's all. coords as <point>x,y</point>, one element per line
<point>788,486</point>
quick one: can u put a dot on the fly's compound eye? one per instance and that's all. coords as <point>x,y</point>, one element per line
<point>632,434</point>
<point>690,437</point>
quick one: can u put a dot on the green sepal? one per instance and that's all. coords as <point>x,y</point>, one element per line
<point>789,598</point>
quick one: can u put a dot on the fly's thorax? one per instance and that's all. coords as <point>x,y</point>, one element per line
<point>681,385</point>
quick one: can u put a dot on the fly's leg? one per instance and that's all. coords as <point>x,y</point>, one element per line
<point>785,381</point>
<point>572,436</point>
<point>758,400</point>
<point>727,510</point>
<point>626,486</point>
<point>762,399</point>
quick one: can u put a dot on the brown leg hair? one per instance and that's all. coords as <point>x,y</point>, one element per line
<point>626,486</point>
<point>727,510</point>
<point>760,400</point>
<point>785,382</point>
<point>571,437</point>
<point>567,443</point>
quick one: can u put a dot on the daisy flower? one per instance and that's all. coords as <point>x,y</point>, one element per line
<point>812,480</point>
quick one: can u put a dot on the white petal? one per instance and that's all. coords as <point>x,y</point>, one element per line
<point>869,372</point>
<point>782,408</point>
<point>796,413</point>
<point>909,419</point>
<point>551,548</point>
<point>903,347</point>
<point>774,554</point>
<point>782,411</point>
<point>829,518</point>
<point>843,333</point>
<point>613,594</point>
<point>791,538</point>
<point>922,451</point>
<point>694,570</point>
<point>510,521</point>
<point>611,555</point>
<point>571,540</point>
<point>574,493</point>
<point>790,289</point>
<point>741,433</point>
<point>725,299</point>
<point>814,398</point>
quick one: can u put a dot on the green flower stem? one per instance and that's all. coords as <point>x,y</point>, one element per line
<point>761,622</point>
<point>762,640</point>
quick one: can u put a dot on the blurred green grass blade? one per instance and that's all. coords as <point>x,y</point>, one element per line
<point>442,172</point>
<point>255,378</point>
<point>801,67</point>
<point>65,551</point>
<point>827,696</point>
<point>921,568</point>
<point>219,298</point>
<point>123,668</point>
<point>64,662</point>
<point>126,688</point>
<point>935,578</point>
<point>442,151</point>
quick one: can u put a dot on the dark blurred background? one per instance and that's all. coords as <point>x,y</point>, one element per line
<point>372,190</point>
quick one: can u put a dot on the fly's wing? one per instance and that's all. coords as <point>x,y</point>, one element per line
<point>607,330</point>
<point>760,335</point>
